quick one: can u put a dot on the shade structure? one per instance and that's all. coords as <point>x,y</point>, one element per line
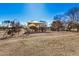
<point>32,25</point>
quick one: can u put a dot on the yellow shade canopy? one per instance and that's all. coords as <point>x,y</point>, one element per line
<point>32,25</point>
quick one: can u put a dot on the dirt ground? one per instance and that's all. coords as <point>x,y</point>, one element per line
<point>42,44</point>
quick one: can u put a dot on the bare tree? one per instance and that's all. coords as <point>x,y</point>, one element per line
<point>58,22</point>
<point>74,16</point>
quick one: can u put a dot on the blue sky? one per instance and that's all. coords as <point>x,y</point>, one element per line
<point>24,12</point>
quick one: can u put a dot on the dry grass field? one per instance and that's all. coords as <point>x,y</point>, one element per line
<point>42,44</point>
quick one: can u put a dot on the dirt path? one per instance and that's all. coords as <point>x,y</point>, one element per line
<point>15,39</point>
